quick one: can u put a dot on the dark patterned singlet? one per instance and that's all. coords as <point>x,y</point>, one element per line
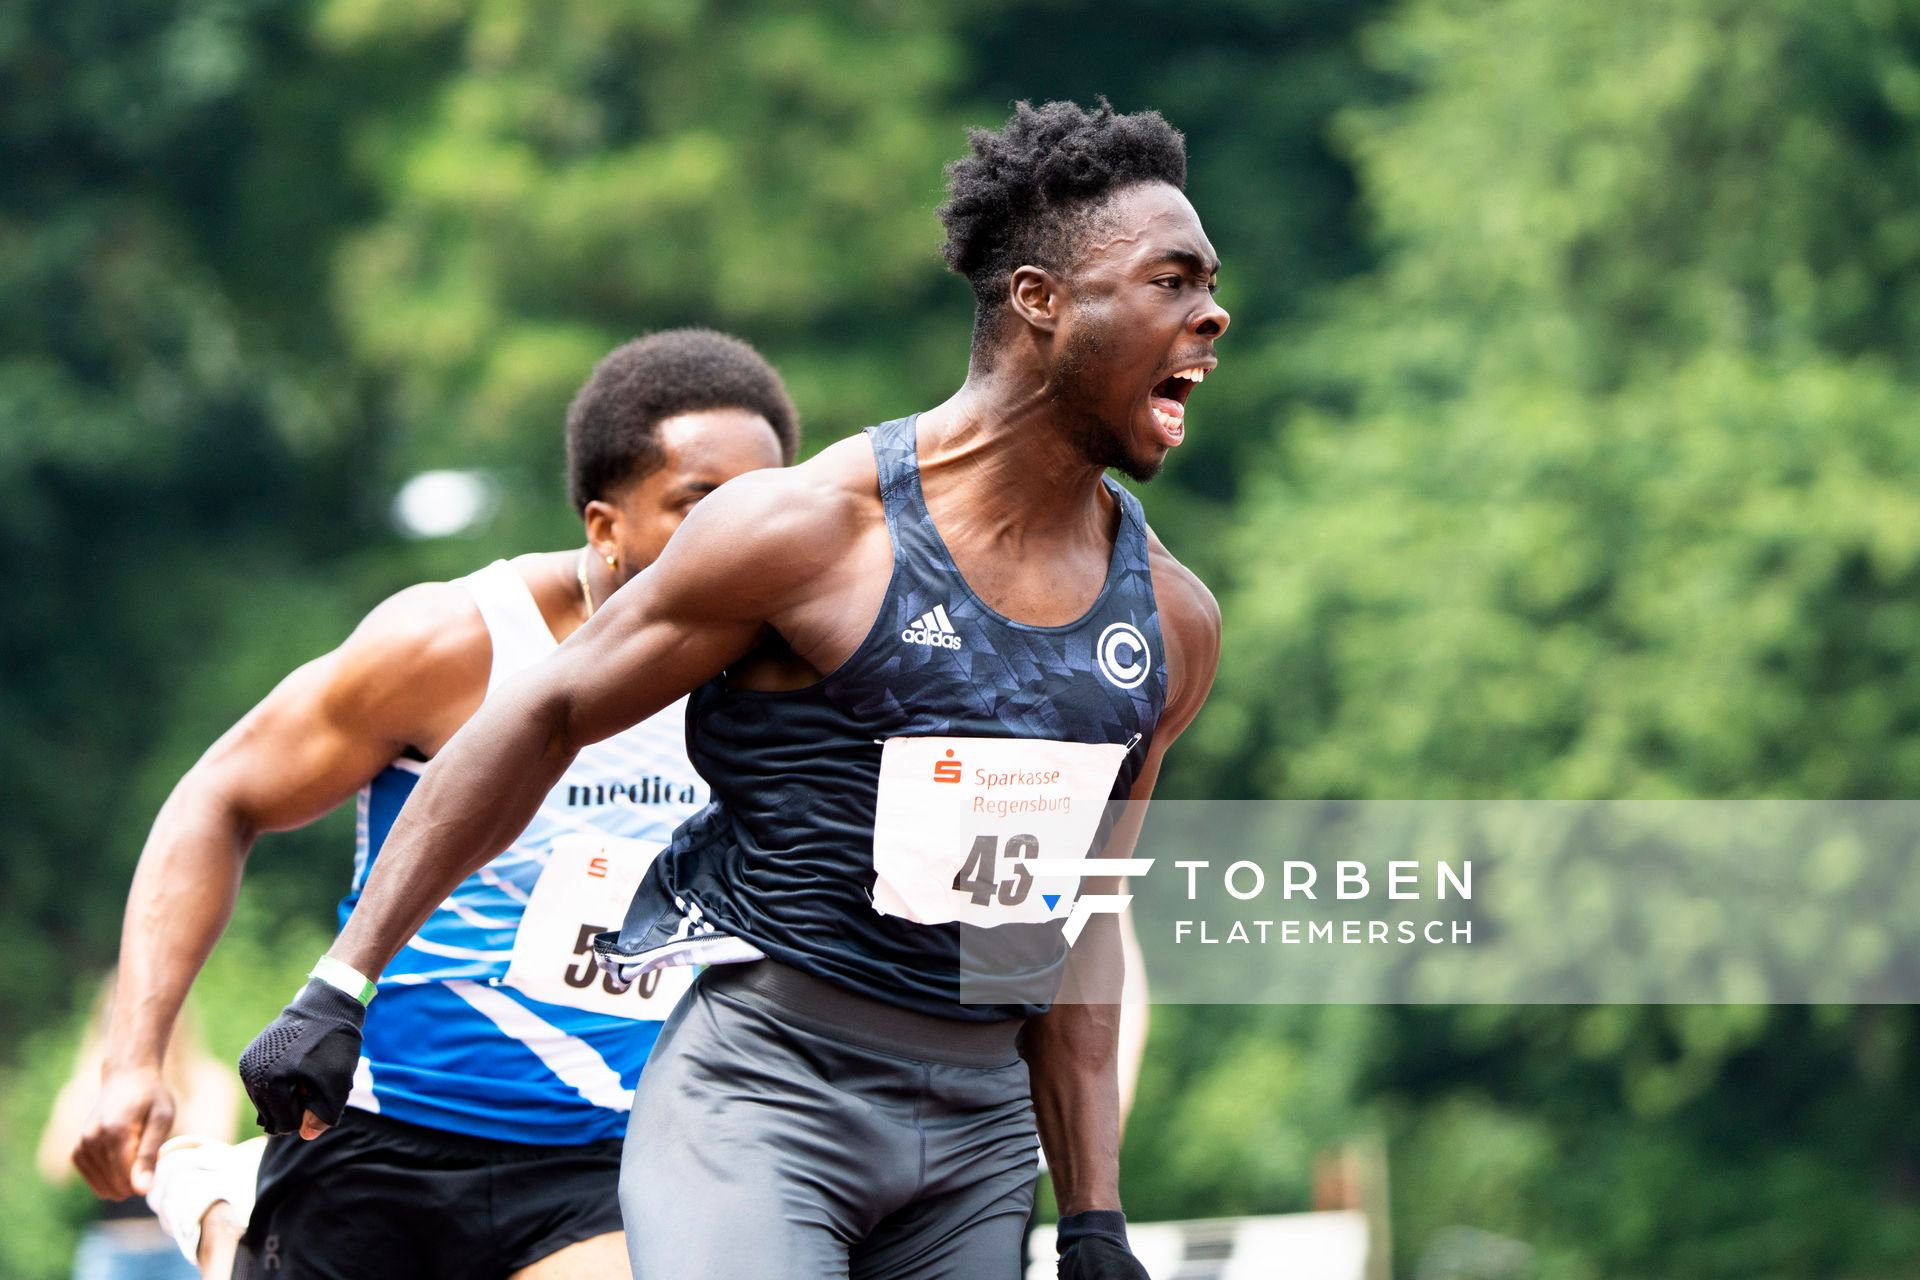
<point>785,856</point>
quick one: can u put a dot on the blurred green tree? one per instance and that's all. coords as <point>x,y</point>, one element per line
<point>1609,490</point>
<point>173,438</point>
<point>579,175</point>
<point>178,439</point>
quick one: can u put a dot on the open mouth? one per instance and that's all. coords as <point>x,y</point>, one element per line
<point>1168,403</point>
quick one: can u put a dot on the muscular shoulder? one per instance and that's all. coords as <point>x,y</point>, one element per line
<point>1190,625</point>
<point>407,677</point>
<point>419,658</point>
<point>768,535</point>
<point>835,491</point>
<point>422,629</point>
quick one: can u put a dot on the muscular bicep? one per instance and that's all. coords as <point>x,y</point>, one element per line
<point>635,657</point>
<point>406,677</point>
<point>295,756</point>
<point>1190,624</point>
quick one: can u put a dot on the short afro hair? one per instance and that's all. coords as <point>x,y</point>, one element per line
<point>1024,194</point>
<point>613,424</point>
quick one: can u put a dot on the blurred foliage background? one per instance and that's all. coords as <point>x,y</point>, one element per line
<point>1561,448</point>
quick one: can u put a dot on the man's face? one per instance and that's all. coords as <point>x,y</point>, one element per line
<point>703,451</point>
<point>1139,311</point>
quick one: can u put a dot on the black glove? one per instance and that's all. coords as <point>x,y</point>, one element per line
<point>1093,1246</point>
<point>305,1059</point>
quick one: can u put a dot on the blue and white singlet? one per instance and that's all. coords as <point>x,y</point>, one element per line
<point>493,1021</point>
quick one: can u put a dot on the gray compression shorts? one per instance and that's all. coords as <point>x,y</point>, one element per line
<point>786,1127</point>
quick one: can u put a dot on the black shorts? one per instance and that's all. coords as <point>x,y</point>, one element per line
<point>373,1197</point>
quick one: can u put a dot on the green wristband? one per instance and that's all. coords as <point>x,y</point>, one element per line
<point>343,977</point>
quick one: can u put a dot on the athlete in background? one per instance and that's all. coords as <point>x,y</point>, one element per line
<point>124,1242</point>
<point>956,597</point>
<point>492,1052</point>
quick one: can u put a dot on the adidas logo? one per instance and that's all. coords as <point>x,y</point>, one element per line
<point>934,629</point>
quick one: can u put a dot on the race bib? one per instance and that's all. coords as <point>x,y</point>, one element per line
<point>957,817</point>
<point>588,881</point>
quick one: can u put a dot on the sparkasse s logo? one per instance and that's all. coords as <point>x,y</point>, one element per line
<point>933,628</point>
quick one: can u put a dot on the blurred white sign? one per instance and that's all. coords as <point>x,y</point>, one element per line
<point>439,504</point>
<point>1291,1246</point>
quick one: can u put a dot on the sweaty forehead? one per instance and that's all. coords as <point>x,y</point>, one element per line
<point>1148,223</point>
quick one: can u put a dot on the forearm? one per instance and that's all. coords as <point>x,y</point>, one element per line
<point>182,897</point>
<point>1072,1053</point>
<point>479,793</point>
<point>220,1235</point>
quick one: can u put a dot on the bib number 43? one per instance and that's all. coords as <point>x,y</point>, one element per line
<point>956,822</point>
<point>977,875</point>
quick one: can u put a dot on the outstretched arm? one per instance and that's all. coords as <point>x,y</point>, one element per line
<point>306,747</point>
<point>736,568</point>
<point>696,610</point>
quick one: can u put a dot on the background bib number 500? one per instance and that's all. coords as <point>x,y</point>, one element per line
<point>588,882</point>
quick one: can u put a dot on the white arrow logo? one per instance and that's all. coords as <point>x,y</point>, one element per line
<point>1088,905</point>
